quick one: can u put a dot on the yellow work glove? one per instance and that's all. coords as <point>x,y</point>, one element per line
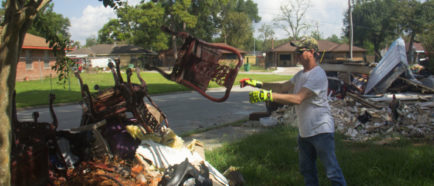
<point>251,82</point>
<point>260,95</point>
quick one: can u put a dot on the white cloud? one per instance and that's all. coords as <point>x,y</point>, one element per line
<point>328,14</point>
<point>92,19</point>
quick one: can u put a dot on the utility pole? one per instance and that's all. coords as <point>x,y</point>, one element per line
<point>254,46</point>
<point>350,15</point>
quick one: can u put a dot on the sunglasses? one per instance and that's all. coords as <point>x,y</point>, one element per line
<point>301,51</point>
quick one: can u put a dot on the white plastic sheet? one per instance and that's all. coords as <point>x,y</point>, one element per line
<point>163,156</point>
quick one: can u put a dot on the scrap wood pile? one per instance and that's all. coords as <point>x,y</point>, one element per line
<point>122,140</point>
<point>389,102</point>
<point>412,119</point>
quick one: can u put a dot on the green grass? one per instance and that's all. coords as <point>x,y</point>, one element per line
<point>270,158</point>
<point>34,93</point>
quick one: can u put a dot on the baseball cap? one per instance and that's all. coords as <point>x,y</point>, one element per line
<point>305,42</point>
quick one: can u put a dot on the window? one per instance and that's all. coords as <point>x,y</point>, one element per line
<point>29,62</point>
<point>285,57</point>
<point>46,60</point>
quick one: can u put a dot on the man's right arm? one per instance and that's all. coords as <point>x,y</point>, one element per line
<point>284,87</point>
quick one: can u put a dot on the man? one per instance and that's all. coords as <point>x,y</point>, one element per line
<point>308,91</point>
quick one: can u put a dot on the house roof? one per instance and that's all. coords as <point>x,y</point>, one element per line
<point>107,49</point>
<point>323,45</point>
<point>35,42</point>
<point>417,46</point>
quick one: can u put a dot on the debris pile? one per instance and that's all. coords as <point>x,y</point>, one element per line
<point>122,140</point>
<point>387,103</point>
<point>362,123</point>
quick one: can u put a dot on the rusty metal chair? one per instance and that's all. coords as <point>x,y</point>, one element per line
<point>32,144</point>
<point>199,63</point>
<point>123,97</point>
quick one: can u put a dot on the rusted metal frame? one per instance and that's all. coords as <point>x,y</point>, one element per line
<point>134,101</point>
<point>94,128</point>
<point>144,87</point>
<point>36,135</point>
<point>89,112</point>
<point>230,77</point>
<point>190,46</point>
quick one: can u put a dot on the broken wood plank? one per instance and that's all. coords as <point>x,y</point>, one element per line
<point>424,89</point>
<point>346,68</point>
<point>363,101</point>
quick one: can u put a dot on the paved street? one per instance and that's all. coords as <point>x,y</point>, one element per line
<point>186,111</point>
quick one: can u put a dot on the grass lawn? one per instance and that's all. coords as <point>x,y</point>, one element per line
<point>270,158</point>
<point>34,93</point>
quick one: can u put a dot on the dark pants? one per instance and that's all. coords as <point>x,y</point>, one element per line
<point>323,147</point>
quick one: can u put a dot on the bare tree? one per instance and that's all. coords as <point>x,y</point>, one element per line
<point>267,33</point>
<point>291,17</point>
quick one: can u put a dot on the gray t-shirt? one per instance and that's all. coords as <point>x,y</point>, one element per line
<point>314,116</point>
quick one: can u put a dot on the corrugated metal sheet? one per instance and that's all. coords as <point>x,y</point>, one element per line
<point>394,56</point>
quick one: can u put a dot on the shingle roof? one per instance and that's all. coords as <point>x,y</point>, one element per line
<point>323,45</point>
<point>87,51</point>
<point>35,42</point>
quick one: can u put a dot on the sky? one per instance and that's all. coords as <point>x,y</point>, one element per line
<point>89,16</point>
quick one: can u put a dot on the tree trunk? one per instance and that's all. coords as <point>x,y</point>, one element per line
<point>9,53</point>
<point>410,52</point>
<point>18,19</point>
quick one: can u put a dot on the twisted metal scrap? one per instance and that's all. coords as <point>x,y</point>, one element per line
<point>198,64</point>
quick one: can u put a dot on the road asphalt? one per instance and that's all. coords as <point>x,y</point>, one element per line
<point>186,111</point>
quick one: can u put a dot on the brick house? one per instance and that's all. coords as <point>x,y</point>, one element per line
<point>36,59</point>
<point>331,52</point>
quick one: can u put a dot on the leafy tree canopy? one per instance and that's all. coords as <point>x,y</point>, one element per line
<point>138,25</point>
<point>48,19</point>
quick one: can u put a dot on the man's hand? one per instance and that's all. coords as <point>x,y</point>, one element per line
<point>260,95</point>
<point>251,82</point>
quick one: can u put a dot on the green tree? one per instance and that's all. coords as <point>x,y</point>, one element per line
<point>375,22</point>
<point>46,19</point>
<point>91,41</point>
<point>427,36</point>
<point>18,18</point>
<point>238,14</point>
<point>111,32</point>
<point>334,38</point>
<point>138,25</point>
<point>208,19</point>
<point>415,19</point>
<point>237,29</point>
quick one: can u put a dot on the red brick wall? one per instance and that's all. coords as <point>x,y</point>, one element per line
<point>37,70</point>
